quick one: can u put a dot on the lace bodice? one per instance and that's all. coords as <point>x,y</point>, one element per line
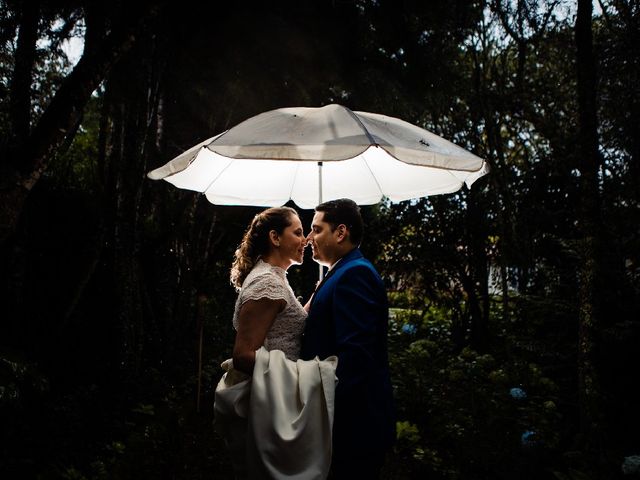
<point>268,281</point>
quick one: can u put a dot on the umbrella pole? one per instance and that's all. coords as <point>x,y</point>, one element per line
<point>320,271</point>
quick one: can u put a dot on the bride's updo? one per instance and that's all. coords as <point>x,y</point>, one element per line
<point>256,241</point>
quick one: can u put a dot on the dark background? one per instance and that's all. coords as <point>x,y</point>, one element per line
<point>515,327</point>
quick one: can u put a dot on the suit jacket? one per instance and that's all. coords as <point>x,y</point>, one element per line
<point>349,317</point>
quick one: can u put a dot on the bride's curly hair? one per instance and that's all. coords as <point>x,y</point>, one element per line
<point>255,241</point>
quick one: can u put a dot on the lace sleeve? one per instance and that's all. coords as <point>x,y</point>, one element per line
<point>266,285</point>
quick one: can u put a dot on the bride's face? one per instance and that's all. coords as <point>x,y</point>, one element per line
<point>292,242</point>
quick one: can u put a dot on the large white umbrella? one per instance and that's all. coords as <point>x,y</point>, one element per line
<point>310,155</point>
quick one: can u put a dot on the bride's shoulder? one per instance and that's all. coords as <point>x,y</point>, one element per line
<point>262,274</point>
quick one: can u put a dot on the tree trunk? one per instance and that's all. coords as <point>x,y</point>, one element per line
<point>589,321</point>
<point>125,230</point>
<point>20,90</point>
<point>478,283</point>
<point>504,286</point>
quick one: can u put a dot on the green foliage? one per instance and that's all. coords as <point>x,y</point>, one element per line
<point>19,380</point>
<point>457,418</point>
<point>78,168</point>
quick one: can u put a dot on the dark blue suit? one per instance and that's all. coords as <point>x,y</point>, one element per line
<point>349,318</point>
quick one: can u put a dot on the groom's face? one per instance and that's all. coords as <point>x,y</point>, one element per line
<point>323,240</point>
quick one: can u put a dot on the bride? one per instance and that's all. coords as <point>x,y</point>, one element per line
<point>275,411</point>
<point>267,312</point>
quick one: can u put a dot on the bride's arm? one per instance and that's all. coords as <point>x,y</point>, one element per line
<point>254,321</point>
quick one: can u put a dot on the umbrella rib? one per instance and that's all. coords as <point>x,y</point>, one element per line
<point>295,175</point>
<point>218,176</point>
<point>357,119</point>
<point>461,182</point>
<point>366,162</point>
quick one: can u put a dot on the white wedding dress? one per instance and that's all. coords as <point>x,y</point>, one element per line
<point>277,424</point>
<point>268,281</point>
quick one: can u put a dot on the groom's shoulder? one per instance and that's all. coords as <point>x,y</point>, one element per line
<point>358,266</point>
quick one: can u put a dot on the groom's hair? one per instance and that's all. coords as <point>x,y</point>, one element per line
<point>343,211</point>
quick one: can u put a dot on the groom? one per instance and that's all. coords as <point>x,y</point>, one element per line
<point>348,317</point>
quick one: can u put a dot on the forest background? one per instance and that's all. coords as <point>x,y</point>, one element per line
<point>514,330</point>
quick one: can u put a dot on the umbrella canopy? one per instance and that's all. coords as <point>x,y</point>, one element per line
<point>310,155</point>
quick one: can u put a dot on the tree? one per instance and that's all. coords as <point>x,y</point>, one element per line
<point>31,150</point>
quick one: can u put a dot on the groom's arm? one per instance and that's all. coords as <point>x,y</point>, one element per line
<point>357,302</point>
